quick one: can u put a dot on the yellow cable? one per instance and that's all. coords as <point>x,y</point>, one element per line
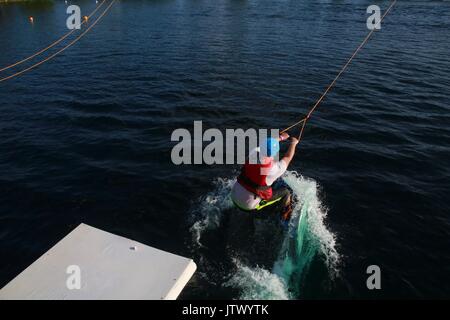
<point>61,50</point>
<point>53,44</point>
<point>305,119</point>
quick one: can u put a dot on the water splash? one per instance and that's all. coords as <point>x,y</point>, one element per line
<point>258,284</point>
<point>208,214</point>
<point>308,236</point>
<point>306,239</point>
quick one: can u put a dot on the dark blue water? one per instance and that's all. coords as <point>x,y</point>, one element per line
<point>86,136</point>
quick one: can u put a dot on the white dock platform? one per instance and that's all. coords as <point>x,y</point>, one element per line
<point>110,267</point>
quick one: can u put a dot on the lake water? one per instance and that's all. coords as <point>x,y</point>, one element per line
<point>85,137</point>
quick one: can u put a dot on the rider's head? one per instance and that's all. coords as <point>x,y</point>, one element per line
<point>271,147</point>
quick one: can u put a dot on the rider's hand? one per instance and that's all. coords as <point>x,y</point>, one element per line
<point>284,136</point>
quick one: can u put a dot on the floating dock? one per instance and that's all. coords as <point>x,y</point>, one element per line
<point>91,264</point>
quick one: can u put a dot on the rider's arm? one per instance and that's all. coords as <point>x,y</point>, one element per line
<point>291,151</point>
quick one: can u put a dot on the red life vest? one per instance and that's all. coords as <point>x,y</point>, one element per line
<point>253,178</point>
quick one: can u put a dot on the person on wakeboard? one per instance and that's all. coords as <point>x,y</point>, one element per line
<point>256,186</point>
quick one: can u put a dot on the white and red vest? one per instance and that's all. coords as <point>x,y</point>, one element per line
<point>253,178</point>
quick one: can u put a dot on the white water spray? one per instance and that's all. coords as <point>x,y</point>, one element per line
<point>306,239</point>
